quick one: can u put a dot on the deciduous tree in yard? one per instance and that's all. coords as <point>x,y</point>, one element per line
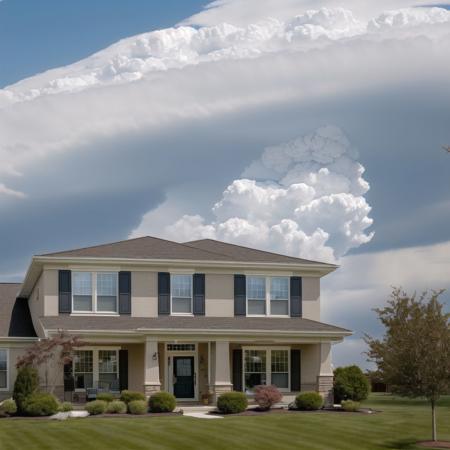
<point>414,355</point>
<point>57,350</point>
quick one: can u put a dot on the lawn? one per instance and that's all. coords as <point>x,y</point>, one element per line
<point>401,423</point>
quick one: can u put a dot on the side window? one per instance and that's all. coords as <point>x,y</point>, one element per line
<point>82,291</point>
<point>256,296</point>
<point>3,368</point>
<point>279,296</point>
<point>181,290</point>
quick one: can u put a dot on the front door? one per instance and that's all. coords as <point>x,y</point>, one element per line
<point>183,377</point>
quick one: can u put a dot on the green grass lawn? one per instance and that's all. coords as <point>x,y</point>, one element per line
<point>401,423</point>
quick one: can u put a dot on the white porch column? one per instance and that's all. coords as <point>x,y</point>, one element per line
<point>325,377</point>
<point>222,374</point>
<point>151,367</point>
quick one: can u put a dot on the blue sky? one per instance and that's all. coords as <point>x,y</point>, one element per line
<point>39,35</point>
<point>312,128</point>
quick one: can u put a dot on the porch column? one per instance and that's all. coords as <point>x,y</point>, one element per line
<point>222,373</point>
<point>151,367</point>
<point>325,377</point>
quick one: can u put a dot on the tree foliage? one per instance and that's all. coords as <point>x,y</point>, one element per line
<point>413,357</point>
<point>26,384</point>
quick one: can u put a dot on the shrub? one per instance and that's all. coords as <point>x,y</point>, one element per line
<point>105,396</point>
<point>40,404</point>
<point>350,405</point>
<point>232,402</point>
<point>96,407</point>
<point>350,383</point>
<point>116,407</point>
<point>65,407</point>
<point>267,396</point>
<point>162,402</point>
<point>8,407</point>
<point>137,407</point>
<point>309,401</point>
<point>27,383</point>
<point>129,396</point>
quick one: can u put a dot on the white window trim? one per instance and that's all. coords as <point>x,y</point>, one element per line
<point>95,368</point>
<point>191,274</point>
<point>7,370</point>
<point>268,279</point>
<point>268,351</point>
<point>94,294</point>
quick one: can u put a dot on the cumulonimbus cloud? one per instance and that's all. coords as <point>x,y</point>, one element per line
<point>304,197</point>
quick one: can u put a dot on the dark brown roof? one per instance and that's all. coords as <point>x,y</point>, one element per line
<point>148,247</point>
<point>15,317</point>
<point>92,323</point>
<point>244,254</point>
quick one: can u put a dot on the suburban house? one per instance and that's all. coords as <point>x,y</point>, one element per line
<point>196,319</point>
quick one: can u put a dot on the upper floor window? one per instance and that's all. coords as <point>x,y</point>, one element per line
<point>181,289</point>
<point>267,296</point>
<point>3,368</point>
<point>94,292</point>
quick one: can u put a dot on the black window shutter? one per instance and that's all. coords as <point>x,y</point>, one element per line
<point>239,295</point>
<point>124,292</point>
<point>295,370</point>
<point>123,369</point>
<point>65,292</point>
<point>163,293</point>
<point>237,370</point>
<point>199,294</point>
<point>296,297</point>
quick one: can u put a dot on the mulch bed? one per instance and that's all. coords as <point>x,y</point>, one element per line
<point>434,444</point>
<point>259,412</point>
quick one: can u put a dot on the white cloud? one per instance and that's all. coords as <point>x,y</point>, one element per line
<point>365,281</point>
<point>10,192</point>
<point>304,198</point>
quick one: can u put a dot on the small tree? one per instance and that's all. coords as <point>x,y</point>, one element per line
<point>27,383</point>
<point>350,383</point>
<point>414,355</point>
<point>58,349</point>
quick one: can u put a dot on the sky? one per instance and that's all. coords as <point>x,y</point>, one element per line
<point>311,128</point>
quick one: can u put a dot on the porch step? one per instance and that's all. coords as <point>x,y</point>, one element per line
<point>196,408</point>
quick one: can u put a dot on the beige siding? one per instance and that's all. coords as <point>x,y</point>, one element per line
<point>310,366</point>
<point>219,300</point>
<point>144,294</point>
<point>50,284</point>
<point>311,298</point>
<point>36,305</point>
<point>203,387</point>
<point>135,366</point>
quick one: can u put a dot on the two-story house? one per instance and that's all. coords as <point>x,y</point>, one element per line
<point>194,318</point>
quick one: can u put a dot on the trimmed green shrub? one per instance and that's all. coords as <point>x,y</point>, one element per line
<point>8,407</point>
<point>40,404</point>
<point>96,407</point>
<point>232,402</point>
<point>116,407</point>
<point>267,396</point>
<point>350,405</point>
<point>27,383</point>
<point>65,407</point>
<point>161,402</point>
<point>129,396</point>
<point>137,407</point>
<point>309,401</point>
<point>350,383</point>
<point>105,396</point>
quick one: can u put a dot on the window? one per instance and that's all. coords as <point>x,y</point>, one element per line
<point>280,368</point>
<point>256,295</point>
<point>3,368</point>
<point>83,369</point>
<point>107,292</point>
<point>181,294</point>
<point>279,296</point>
<point>255,368</point>
<point>266,366</point>
<point>107,366</point>
<point>181,347</point>
<point>267,296</point>
<point>82,291</point>
<point>95,292</point>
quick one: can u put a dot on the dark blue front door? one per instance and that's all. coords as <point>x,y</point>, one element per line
<point>183,373</point>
